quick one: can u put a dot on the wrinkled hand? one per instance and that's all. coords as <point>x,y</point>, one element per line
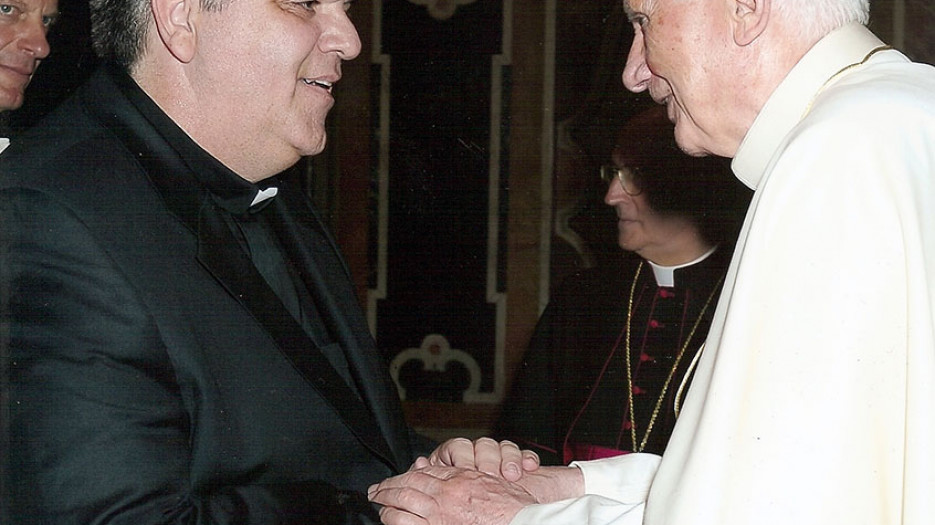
<point>503,459</point>
<point>440,495</point>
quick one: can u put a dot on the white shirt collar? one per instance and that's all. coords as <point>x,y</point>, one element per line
<point>793,97</point>
<point>665,275</point>
<point>262,195</point>
<point>3,144</point>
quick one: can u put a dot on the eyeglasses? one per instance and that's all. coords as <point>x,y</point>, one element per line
<point>626,176</point>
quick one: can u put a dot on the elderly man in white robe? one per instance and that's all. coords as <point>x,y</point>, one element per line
<point>812,402</point>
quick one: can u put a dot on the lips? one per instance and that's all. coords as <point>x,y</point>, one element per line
<point>320,83</point>
<point>19,69</point>
<point>661,94</point>
<point>670,110</point>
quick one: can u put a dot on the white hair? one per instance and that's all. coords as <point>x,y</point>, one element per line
<point>816,18</point>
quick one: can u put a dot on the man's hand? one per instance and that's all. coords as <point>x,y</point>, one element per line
<point>438,495</point>
<point>503,459</point>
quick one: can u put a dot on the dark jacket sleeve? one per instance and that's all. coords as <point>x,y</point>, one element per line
<point>100,427</point>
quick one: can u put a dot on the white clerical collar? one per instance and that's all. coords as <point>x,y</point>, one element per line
<point>665,275</point>
<point>3,144</point>
<point>262,195</point>
<point>792,99</point>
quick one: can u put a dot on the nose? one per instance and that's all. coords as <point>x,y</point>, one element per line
<point>33,39</point>
<point>614,193</point>
<point>341,37</point>
<point>636,73</point>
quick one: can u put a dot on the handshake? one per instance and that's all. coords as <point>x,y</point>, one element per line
<point>480,482</point>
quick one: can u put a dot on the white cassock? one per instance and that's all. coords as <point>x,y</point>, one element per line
<point>814,401</point>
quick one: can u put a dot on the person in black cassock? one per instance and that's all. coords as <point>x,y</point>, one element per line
<point>614,350</point>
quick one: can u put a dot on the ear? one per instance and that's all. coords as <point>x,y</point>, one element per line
<point>749,19</point>
<point>175,23</point>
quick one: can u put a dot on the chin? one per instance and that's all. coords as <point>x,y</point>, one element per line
<point>312,151</point>
<point>10,103</point>
<point>625,244</point>
<point>312,144</point>
<point>688,142</point>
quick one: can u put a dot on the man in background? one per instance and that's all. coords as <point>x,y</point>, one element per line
<point>812,401</point>
<point>23,28</point>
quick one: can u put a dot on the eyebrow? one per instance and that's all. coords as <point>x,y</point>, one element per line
<point>628,10</point>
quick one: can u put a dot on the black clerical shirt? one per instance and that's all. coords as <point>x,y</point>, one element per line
<point>245,208</point>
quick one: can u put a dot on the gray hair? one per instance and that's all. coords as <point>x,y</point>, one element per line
<point>817,18</point>
<point>119,28</point>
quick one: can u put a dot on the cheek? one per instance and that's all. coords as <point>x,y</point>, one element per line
<point>640,205</point>
<point>6,38</point>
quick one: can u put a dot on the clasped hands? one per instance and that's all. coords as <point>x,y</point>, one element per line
<point>481,482</point>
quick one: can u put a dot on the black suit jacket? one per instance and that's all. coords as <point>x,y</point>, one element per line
<point>153,376</point>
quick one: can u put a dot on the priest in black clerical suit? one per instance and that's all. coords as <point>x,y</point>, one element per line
<point>185,346</point>
<point>154,369</point>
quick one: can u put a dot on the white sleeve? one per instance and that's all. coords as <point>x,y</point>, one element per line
<point>615,492</point>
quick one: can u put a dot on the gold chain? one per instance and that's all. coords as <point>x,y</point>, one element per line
<point>678,358</point>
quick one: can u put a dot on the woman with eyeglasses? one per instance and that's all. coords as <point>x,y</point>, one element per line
<point>614,351</point>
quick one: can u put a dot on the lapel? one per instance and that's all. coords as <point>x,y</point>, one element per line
<point>220,253</point>
<point>321,267</point>
<point>141,128</point>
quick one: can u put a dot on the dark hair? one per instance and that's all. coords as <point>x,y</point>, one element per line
<point>119,28</point>
<point>700,188</point>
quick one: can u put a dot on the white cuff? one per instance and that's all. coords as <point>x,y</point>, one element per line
<point>616,490</point>
<point>586,510</point>
<point>625,478</point>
